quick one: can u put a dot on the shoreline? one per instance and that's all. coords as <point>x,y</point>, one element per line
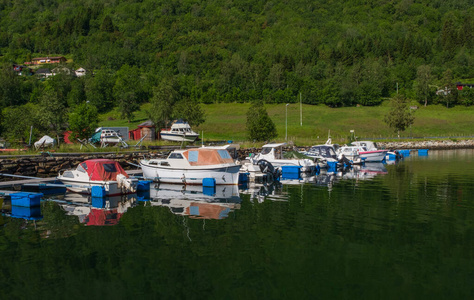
<point>430,144</point>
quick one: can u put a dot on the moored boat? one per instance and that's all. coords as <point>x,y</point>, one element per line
<point>368,156</point>
<point>98,172</point>
<point>273,153</point>
<point>192,166</point>
<point>180,131</point>
<point>372,146</point>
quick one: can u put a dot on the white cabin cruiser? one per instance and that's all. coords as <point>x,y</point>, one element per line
<point>371,146</point>
<point>191,166</point>
<point>273,153</point>
<point>322,154</point>
<point>98,172</point>
<point>368,156</point>
<point>180,131</point>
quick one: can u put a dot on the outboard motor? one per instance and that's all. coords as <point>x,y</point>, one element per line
<point>267,168</point>
<point>344,161</point>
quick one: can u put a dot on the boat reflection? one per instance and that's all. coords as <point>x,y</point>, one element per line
<point>195,201</point>
<point>93,211</point>
<point>260,192</point>
<point>366,171</point>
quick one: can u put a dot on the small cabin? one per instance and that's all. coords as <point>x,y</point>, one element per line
<point>146,128</point>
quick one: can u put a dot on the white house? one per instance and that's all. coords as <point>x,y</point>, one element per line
<point>80,72</point>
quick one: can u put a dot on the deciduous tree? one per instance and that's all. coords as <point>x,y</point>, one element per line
<point>52,111</point>
<point>17,122</point>
<point>127,91</point>
<point>400,115</point>
<point>83,120</point>
<point>422,88</point>
<point>164,97</point>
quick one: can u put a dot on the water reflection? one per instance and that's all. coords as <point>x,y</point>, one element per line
<point>259,192</point>
<point>197,202</point>
<point>93,211</point>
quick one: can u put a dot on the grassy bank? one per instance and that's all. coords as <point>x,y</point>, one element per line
<point>227,122</point>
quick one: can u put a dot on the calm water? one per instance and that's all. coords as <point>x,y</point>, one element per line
<point>383,232</point>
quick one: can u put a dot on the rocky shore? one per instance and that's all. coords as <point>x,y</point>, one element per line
<point>431,145</point>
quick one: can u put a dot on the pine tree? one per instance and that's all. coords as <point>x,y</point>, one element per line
<point>259,125</point>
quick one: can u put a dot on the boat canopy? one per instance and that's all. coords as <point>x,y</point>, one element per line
<point>102,169</point>
<point>274,145</point>
<point>207,156</point>
<point>95,138</point>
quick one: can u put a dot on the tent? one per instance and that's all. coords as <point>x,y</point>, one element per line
<point>45,141</point>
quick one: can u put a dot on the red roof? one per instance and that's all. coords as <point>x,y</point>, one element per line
<point>103,169</point>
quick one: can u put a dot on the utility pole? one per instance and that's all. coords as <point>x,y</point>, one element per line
<point>286,122</point>
<point>301,111</point>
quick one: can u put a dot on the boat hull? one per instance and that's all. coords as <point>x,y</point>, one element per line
<point>85,187</point>
<point>178,137</point>
<point>373,156</point>
<point>306,165</point>
<point>223,175</point>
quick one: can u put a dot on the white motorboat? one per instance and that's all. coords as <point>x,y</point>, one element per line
<point>98,172</point>
<point>180,131</point>
<point>109,136</point>
<point>351,152</point>
<point>371,146</point>
<point>273,153</point>
<point>191,166</point>
<point>322,154</point>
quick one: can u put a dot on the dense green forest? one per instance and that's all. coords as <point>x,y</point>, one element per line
<point>182,53</point>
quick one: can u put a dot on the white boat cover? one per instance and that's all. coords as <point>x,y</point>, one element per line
<point>45,141</point>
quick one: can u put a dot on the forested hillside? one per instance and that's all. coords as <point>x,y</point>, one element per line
<point>340,53</point>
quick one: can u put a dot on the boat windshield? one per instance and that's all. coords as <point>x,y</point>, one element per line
<point>175,156</point>
<point>80,168</point>
<point>266,150</point>
<point>323,151</point>
<point>327,152</point>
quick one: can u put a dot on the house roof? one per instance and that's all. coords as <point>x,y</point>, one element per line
<point>49,57</point>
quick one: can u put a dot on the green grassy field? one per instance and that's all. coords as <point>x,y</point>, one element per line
<point>227,122</point>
